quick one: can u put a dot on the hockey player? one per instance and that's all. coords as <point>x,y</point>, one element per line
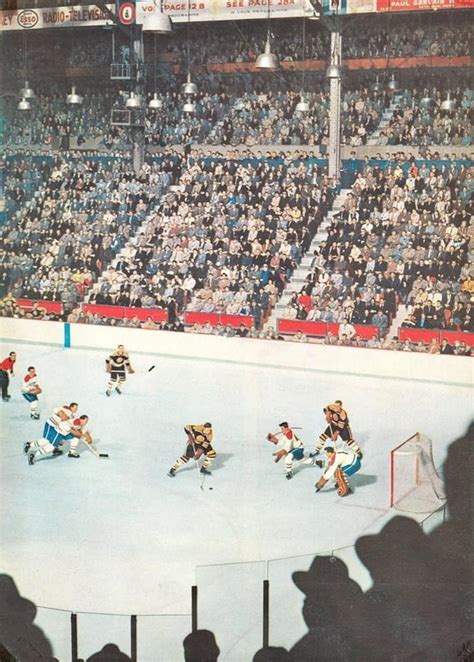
<point>79,425</point>
<point>61,426</point>
<point>117,365</point>
<point>30,390</point>
<point>199,443</point>
<point>342,464</point>
<point>338,426</point>
<point>292,449</point>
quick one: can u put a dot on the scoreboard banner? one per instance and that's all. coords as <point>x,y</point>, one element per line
<point>419,5</point>
<point>199,10</point>
<point>342,7</point>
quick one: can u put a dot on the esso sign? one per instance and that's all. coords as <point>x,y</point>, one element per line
<point>27,18</point>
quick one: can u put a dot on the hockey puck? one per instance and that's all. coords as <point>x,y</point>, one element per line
<point>151,368</point>
<point>103,455</point>
<point>211,488</point>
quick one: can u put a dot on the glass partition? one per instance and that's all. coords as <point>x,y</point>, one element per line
<point>94,631</point>
<point>160,637</point>
<point>230,605</point>
<point>56,626</point>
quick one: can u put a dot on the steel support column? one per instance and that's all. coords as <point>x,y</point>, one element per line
<point>335,103</point>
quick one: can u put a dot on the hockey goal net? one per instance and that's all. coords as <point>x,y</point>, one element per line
<point>415,485</point>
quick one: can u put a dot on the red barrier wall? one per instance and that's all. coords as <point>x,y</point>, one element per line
<point>451,336</point>
<point>50,306</point>
<point>418,335</point>
<point>308,328</point>
<point>120,312</point>
<point>427,335</point>
<point>320,329</point>
<point>191,318</point>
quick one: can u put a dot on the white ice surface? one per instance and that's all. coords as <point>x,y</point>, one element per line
<point>119,536</point>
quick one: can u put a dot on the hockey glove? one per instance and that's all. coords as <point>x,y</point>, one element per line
<point>320,484</point>
<point>271,437</point>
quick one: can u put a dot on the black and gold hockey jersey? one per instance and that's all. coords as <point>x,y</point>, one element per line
<point>338,416</point>
<point>118,361</point>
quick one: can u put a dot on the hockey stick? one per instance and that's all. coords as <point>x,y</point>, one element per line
<point>198,466</point>
<point>94,450</point>
<point>144,372</point>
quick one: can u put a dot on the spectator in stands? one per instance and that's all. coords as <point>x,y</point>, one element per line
<point>374,343</point>
<point>446,348</point>
<point>380,320</point>
<point>346,330</point>
<point>300,337</point>
<point>434,346</point>
<point>391,344</point>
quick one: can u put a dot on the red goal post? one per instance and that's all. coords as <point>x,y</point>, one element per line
<point>415,485</point>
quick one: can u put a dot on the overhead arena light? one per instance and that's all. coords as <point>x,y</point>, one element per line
<point>74,99</point>
<point>26,92</point>
<point>189,87</point>
<point>427,101</point>
<point>189,107</point>
<point>302,106</point>
<point>267,60</point>
<point>155,103</point>
<point>133,101</point>
<point>333,71</point>
<point>158,22</point>
<point>393,85</point>
<point>448,103</point>
<point>24,104</point>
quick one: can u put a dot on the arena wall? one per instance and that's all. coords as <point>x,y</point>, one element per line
<point>408,366</point>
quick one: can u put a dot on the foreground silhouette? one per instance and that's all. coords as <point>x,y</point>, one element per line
<point>201,646</point>
<point>19,638</point>
<point>109,653</point>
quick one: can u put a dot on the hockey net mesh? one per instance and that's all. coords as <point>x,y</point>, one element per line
<point>415,483</point>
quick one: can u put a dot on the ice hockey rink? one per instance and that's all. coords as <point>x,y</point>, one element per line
<point>106,538</point>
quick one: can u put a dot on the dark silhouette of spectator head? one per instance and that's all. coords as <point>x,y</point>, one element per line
<point>331,596</point>
<point>18,636</point>
<point>109,653</point>
<point>272,654</point>
<point>201,646</point>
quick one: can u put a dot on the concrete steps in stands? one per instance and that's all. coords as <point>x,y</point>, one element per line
<point>299,275</point>
<point>402,312</point>
<point>384,120</point>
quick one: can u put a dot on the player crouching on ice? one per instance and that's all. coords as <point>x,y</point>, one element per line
<point>30,390</point>
<point>341,465</point>
<point>60,427</point>
<point>292,449</point>
<point>200,438</point>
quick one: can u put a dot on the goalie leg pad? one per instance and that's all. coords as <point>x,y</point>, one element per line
<point>342,483</point>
